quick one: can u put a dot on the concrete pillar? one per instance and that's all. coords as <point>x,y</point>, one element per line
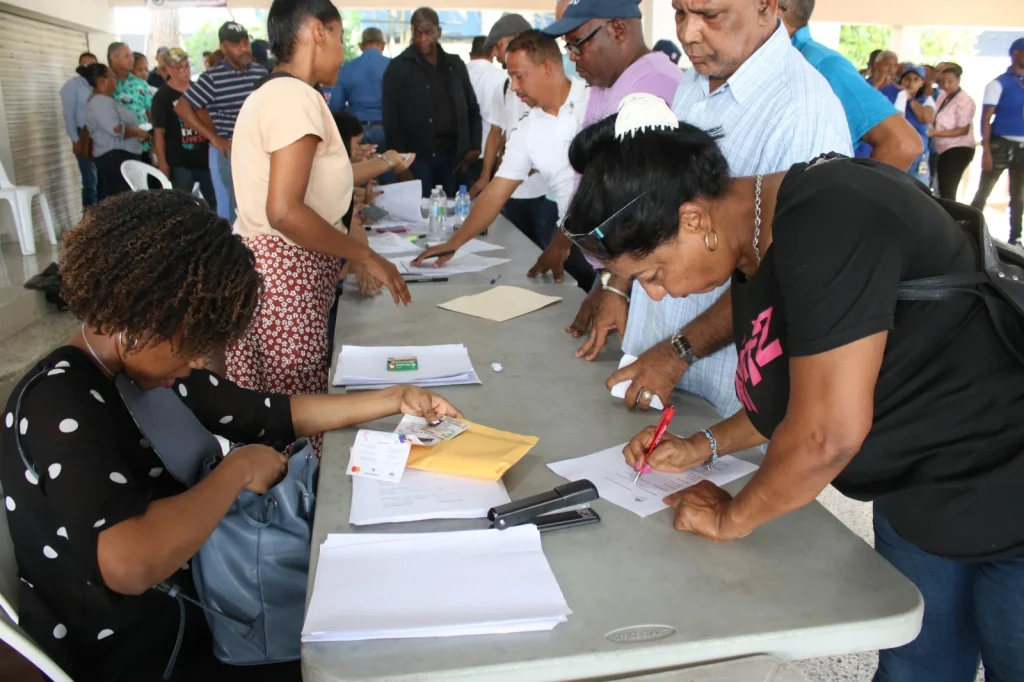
<point>647,9</point>
<point>906,42</point>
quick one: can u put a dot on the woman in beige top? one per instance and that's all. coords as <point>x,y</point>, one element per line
<point>293,185</point>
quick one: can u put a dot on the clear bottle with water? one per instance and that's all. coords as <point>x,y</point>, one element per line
<point>438,215</point>
<point>462,207</point>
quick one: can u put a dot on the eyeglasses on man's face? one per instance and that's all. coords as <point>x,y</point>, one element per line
<point>577,47</point>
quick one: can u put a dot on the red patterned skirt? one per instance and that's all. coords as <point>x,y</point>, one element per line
<point>285,350</point>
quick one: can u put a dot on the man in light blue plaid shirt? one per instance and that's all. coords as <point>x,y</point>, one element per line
<point>773,110</point>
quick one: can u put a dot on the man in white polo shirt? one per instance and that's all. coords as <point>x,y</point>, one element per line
<point>540,141</point>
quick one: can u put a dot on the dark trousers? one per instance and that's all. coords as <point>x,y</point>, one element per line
<point>108,167</point>
<point>952,164</point>
<point>90,181</point>
<point>1006,155</point>
<point>184,179</point>
<point>972,610</point>
<point>437,168</point>
<point>536,218</point>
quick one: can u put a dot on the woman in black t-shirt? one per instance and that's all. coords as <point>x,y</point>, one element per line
<point>159,283</point>
<point>915,406</point>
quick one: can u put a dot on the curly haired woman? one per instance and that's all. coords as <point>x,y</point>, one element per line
<point>160,284</point>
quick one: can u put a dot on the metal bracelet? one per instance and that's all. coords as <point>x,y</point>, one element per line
<point>621,293</point>
<point>710,461</point>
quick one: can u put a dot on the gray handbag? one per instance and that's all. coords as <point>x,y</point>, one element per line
<point>251,573</point>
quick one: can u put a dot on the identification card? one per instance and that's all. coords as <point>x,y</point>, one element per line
<point>419,432</point>
<point>403,364</point>
<point>379,455</point>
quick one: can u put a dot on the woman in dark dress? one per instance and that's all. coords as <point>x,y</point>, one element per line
<point>915,406</point>
<point>160,284</point>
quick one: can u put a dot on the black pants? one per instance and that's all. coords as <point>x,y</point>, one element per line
<point>437,168</point>
<point>184,179</point>
<point>952,164</point>
<point>536,218</point>
<point>108,167</point>
<point>1006,155</point>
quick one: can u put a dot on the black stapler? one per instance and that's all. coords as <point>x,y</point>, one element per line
<point>536,509</point>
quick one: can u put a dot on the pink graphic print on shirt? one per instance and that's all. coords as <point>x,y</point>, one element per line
<point>756,353</point>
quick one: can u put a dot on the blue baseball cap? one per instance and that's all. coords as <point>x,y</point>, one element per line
<point>670,49</point>
<point>1017,46</point>
<point>580,12</point>
<point>913,68</point>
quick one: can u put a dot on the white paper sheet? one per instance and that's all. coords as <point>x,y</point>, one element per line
<point>461,263</point>
<point>395,586</point>
<point>401,200</point>
<point>391,243</point>
<point>363,367</point>
<point>474,246</point>
<point>614,479</point>
<point>619,389</point>
<point>423,495</point>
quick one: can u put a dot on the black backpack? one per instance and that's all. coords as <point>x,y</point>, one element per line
<point>998,282</point>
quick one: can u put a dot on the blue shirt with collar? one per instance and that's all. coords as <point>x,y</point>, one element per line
<point>73,98</point>
<point>865,107</point>
<point>360,86</point>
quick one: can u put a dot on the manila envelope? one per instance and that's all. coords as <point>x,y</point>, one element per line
<point>500,304</point>
<point>481,452</point>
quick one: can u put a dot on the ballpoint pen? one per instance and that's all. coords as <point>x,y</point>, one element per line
<point>666,418</point>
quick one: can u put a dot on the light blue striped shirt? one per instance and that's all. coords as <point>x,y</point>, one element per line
<point>774,112</point>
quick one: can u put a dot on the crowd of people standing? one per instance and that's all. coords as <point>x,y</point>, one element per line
<point>714,216</point>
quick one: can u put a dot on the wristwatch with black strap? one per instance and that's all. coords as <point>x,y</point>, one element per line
<point>682,347</point>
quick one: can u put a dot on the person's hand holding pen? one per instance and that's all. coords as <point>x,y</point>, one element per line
<point>673,455</point>
<point>441,254</point>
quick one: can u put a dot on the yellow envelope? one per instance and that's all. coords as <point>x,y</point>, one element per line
<point>481,452</point>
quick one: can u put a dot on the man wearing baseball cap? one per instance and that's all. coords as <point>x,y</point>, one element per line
<point>1002,130</point>
<point>221,90</point>
<point>605,39</point>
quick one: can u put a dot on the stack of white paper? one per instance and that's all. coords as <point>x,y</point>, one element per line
<point>365,367</point>
<point>402,201</point>
<point>462,263</point>
<point>390,243</point>
<point>397,586</point>
<point>614,478</point>
<point>474,246</point>
<point>423,495</point>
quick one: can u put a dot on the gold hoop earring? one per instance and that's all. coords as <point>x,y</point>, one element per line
<point>707,242</point>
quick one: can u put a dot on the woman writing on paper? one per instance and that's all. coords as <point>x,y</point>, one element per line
<point>294,184</point>
<point>915,406</point>
<point>160,284</point>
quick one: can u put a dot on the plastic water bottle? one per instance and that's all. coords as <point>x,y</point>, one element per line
<point>462,207</point>
<point>438,214</point>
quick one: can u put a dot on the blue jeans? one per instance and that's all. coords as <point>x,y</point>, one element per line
<point>972,611</point>
<point>225,192</point>
<point>90,181</point>
<point>535,218</point>
<point>184,179</point>
<point>437,168</point>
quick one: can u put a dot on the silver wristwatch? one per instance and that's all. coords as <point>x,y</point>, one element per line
<point>683,349</point>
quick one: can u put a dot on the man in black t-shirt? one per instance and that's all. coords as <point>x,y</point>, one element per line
<point>182,153</point>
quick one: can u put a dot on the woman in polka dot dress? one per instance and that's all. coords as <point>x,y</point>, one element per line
<point>293,185</point>
<point>160,284</point>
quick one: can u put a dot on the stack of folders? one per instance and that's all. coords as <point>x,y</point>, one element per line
<point>396,586</point>
<point>366,367</point>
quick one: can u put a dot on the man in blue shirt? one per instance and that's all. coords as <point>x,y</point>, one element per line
<point>360,87</point>
<point>73,97</point>
<point>872,117</point>
<point>1002,130</point>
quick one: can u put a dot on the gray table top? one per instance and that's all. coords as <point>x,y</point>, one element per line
<point>799,587</point>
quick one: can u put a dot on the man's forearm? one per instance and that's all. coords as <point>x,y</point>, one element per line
<point>485,210</point>
<point>193,120</point>
<point>712,331</point>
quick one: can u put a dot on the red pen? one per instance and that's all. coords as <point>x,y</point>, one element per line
<point>656,441</point>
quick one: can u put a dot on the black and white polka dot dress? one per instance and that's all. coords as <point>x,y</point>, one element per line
<point>93,470</point>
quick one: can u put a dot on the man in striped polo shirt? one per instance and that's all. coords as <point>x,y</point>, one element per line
<point>221,92</point>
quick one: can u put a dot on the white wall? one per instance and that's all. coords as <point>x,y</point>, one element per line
<point>90,15</point>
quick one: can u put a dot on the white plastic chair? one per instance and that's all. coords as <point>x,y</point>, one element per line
<point>10,633</point>
<point>137,175</point>
<point>20,199</point>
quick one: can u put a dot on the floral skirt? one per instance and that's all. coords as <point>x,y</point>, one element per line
<point>285,350</point>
